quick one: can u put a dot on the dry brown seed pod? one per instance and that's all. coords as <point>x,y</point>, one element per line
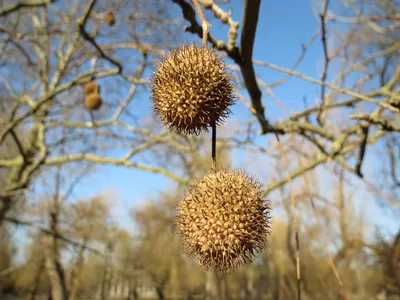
<point>221,227</point>
<point>109,17</point>
<point>93,101</point>
<point>191,89</point>
<point>90,87</point>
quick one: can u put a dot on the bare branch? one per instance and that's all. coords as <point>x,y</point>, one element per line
<point>23,4</point>
<point>52,233</point>
<point>364,138</point>
<point>226,18</point>
<point>383,124</point>
<point>113,161</point>
<point>332,86</point>
<point>90,38</point>
<point>322,16</point>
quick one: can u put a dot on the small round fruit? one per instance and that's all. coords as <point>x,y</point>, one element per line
<point>90,87</point>
<point>109,17</point>
<point>93,101</point>
<point>223,220</point>
<point>191,89</point>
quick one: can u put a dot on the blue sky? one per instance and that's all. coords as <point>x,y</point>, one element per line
<point>282,27</point>
<point>279,36</point>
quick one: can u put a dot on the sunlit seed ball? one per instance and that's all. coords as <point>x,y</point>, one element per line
<point>90,87</point>
<point>191,89</point>
<point>223,220</point>
<point>93,101</point>
<point>109,17</point>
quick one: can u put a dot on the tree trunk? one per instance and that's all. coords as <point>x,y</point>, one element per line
<point>250,289</point>
<point>160,293</point>
<point>37,280</point>
<point>222,287</point>
<point>212,286</point>
<point>105,286</point>
<point>132,294</point>
<point>6,203</point>
<point>189,296</point>
<point>54,272</point>
<point>76,272</point>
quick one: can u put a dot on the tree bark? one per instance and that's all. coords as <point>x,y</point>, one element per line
<point>56,276</point>
<point>37,280</point>
<point>105,286</point>
<point>132,294</point>
<point>55,270</point>
<point>160,293</point>
<point>76,272</point>
<point>212,286</point>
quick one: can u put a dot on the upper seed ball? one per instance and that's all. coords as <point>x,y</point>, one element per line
<point>90,87</point>
<point>223,221</point>
<point>191,89</point>
<point>109,17</point>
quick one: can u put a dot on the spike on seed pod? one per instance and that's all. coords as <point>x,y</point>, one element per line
<point>109,17</point>
<point>220,227</point>
<point>191,89</point>
<point>93,101</point>
<point>90,87</point>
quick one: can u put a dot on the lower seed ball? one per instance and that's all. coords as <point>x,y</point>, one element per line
<point>93,101</point>
<point>223,220</point>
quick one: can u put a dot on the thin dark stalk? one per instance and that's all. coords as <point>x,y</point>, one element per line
<point>214,144</point>
<point>205,38</point>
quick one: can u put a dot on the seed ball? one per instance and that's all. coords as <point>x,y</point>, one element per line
<point>90,87</point>
<point>109,17</point>
<point>93,101</point>
<point>223,220</point>
<point>191,89</point>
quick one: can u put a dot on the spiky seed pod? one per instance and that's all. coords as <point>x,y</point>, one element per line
<point>90,87</point>
<point>109,17</point>
<point>93,101</point>
<point>191,89</point>
<point>223,220</point>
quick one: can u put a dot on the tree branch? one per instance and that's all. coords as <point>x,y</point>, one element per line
<point>114,161</point>
<point>384,124</point>
<point>25,4</point>
<point>52,233</point>
<point>91,40</point>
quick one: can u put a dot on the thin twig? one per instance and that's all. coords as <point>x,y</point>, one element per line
<point>384,124</point>
<point>52,233</point>
<point>332,86</point>
<point>29,3</point>
<point>204,23</point>
<point>90,39</point>
<point>226,18</point>
<point>364,137</point>
<point>322,16</point>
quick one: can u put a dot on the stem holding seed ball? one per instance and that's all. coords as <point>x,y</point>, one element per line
<point>204,26</point>
<point>214,144</point>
